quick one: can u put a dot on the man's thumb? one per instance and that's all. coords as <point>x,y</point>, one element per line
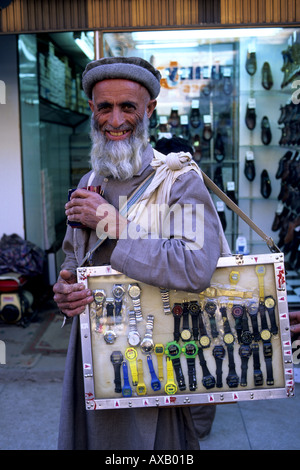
<point>68,276</point>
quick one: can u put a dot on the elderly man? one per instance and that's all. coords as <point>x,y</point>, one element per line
<point>122,95</point>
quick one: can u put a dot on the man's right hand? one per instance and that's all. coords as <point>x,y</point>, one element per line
<point>71,297</point>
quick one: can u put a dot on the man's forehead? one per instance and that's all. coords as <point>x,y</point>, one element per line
<point>120,88</point>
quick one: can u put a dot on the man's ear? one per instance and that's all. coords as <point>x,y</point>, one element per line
<point>151,107</point>
<point>91,103</point>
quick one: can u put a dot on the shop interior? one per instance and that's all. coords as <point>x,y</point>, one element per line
<point>233,94</point>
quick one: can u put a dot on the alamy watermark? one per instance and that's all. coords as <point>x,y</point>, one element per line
<point>159,221</point>
<point>296,94</point>
<point>2,352</point>
<point>2,92</point>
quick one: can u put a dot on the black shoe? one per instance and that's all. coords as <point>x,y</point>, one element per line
<point>195,118</point>
<point>266,134</point>
<point>265,184</point>
<point>250,118</point>
<point>251,63</point>
<point>249,169</point>
<point>266,76</point>
<point>218,178</point>
<point>219,149</point>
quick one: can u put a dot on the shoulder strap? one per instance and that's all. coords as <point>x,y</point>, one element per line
<point>211,185</point>
<point>134,197</point>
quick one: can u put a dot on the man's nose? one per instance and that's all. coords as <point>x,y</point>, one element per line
<point>116,118</point>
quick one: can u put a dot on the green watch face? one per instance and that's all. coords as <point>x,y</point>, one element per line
<point>173,350</point>
<point>190,349</point>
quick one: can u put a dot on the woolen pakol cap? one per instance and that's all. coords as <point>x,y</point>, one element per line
<point>128,68</point>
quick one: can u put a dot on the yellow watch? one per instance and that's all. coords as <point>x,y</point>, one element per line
<point>159,350</point>
<point>141,387</point>
<point>265,335</point>
<point>170,387</point>
<point>131,355</point>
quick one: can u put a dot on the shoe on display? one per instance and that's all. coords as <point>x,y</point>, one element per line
<point>207,132</point>
<point>251,64</point>
<point>174,119</point>
<point>250,118</point>
<point>219,149</point>
<point>195,118</point>
<point>265,184</point>
<point>218,178</point>
<point>266,134</point>
<point>249,169</point>
<point>282,163</point>
<point>266,76</point>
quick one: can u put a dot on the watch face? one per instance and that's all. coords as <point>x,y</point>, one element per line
<point>228,338</point>
<point>194,308</point>
<point>234,276</point>
<point>170,388</point>
<point>99,296</point>
<point>265,335</point>
<point>118,291</point>
<point>133,338</point>
<point>245,351</point>
<point>210,308</point>
<point>204,341</point>
<point>147,346</point>
<point>237,311</point>
<point>159,349</point>
<point>252,308</point>
<point>141,389</point>
<point>246,337</point>
<point>177,310</point>
<point>208,382</point>
<point>269,302</point>
<point>219,352</point>
<point>173,350</point>
<point>116,357</point>
<point>260,270</point>
<point>110,336</point>
<point>131,354</point>
<point>186,335</point>
<point>190,349</point>
<point>134,291</point>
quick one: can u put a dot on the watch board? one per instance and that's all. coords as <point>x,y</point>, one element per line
<point>146,346</point>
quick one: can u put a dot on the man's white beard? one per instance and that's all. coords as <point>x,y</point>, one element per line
<point>119,159</point>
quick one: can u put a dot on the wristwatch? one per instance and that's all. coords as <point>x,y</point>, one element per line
<point>252,309</point>
<point>99,298</point>
<point>208,380</point>
<point>246,335</point>
<point>228,336</point>
<point>131,355</point>
<point>116,360</point>
<point>170,387</point>
<point>219,354</point>
<point>186,333</point>
<point>190,351</point>
<point>237,313</point>
<point>110,335</point>
<point>258,376</point>
<point>147,344</point>
<point>141,388</point>
<point>210,308</point>
<point>195,311</point>
<point>245,352</point>
<point>232,379</point>
<point>159,350</point>
<point>270,306</point>
<point>133,337</point>
<point>177,314</point>
<point>155,383</point>
<point>173,351</point>
<point>126,389</point>
<point>118,293</point>
<point>266,335</point>
<point>204,340</point>
<point>165,295</point>
<point>134,292</point>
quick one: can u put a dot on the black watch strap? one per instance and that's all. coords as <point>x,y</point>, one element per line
<point>232,379</point>
<point>219,354</point>
<point>268,352</point>
<point>258,376</point>
<point>117,380</point>
<point>254,322</point>
<point>179,374</point>
<point>245,353</point>
<point>208,379</point>
<point>192,373</point>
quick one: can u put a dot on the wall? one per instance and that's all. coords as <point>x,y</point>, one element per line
<point>11,212</point>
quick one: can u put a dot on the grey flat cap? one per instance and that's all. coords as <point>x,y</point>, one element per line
<point>129,68</point>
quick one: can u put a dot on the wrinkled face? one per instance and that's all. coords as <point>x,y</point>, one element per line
<point>119,127</point>
<point>119,106</point>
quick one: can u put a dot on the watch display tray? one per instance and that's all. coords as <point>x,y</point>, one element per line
<point>228,343</point>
